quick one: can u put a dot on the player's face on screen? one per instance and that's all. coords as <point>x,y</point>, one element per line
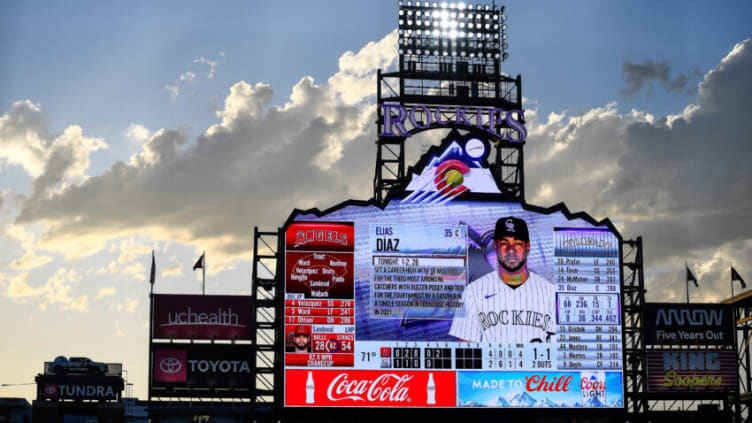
<point>301,341</point>
<point>511,253</point>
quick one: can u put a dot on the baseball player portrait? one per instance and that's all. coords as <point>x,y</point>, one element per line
<point>511,303</point>
<point>301,340</point>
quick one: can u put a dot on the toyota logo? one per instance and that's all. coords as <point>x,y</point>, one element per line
<point>50,389</point>
<point>170,365</point>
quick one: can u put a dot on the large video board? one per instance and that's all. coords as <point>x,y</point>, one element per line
<point>449,297</point>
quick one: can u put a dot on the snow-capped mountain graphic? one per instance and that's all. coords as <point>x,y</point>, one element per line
<point>522,399</point>
<point>546,403</point>
<point>453,152</point>
<point>617,403</point>
<point>576,405</point>
<point>593,402</point>
<point>471,403</point>
<point>430,185</point>
<point>501,402</point>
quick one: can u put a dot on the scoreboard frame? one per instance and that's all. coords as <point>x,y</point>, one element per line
<point>400,192</point>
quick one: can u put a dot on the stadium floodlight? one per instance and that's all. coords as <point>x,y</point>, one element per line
<point>448,29</point>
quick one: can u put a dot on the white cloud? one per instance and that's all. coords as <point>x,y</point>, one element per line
<point>130,250</point>
<point>105,292</point>
<point>128,306</point>
<point>29,261</point>
<point>57,290</point>
<point>174,90</point>
<point>189,77</point>
<point>209,193</point>
<point>48,158</point>
<point>137,133</point>
<point>356,78</point>
<point>212,64</point>
<point>119,330</point>
<point>175,269</point>
<point>681,180</point>
<point>260,161</point>
<point>135,271</point>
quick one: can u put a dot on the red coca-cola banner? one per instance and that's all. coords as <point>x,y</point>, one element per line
<point>202,316</point>
<point>370,388</point>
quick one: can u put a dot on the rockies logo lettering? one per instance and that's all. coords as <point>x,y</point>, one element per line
<point>518,317</point>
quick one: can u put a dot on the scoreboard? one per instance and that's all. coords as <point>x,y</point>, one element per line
<point>372,298</point>
<point>455,301</point>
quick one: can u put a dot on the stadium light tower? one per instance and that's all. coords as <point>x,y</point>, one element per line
<point>450,56</point>
<point>452,30</point>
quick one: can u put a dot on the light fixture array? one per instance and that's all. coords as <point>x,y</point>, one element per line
<point>452,30</point>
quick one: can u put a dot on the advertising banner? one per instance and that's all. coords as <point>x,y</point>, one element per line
<point>540,389</point>
<point>447,280</point>
<point>202,317</point>
<point>692,370</point>
<point>201,366</point>
<point>689,324</point>
<point>100,388</point>
<point>358,388</point>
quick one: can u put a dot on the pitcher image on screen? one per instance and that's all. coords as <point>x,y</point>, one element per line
<point>511,303</point>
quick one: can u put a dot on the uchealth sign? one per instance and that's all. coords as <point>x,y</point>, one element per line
<point>217,366</point>
<point>202,317</point>
<point>692,370</point>
<point>369,388</point>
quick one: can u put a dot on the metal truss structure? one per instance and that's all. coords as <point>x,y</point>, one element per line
<point>457,91</point>
<point>633,299</point>
<point>643,406</point>
<point>267,307</point>
<point>743,314</point>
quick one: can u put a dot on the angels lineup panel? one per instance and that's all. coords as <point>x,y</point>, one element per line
<point>418,272</point>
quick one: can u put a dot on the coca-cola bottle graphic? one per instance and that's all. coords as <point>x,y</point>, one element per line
<point>309,389</point>
<point>430,390</point>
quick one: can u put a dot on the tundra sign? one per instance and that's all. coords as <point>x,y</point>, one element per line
<point>688,324</point>
<point>201,370</point>
<point>79,387</point>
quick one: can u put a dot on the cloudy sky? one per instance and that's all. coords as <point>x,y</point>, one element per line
<point>179,126</point>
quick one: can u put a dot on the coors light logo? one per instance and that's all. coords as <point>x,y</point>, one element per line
<point>593,387</point>
<point>387,387</point>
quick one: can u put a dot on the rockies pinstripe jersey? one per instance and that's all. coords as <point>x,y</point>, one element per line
<point>495,312</point>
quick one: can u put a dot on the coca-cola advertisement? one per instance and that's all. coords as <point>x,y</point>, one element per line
<point>369,388</point>
<point>202,316</point>
<point>177,368</point>
<point>540,389</point>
